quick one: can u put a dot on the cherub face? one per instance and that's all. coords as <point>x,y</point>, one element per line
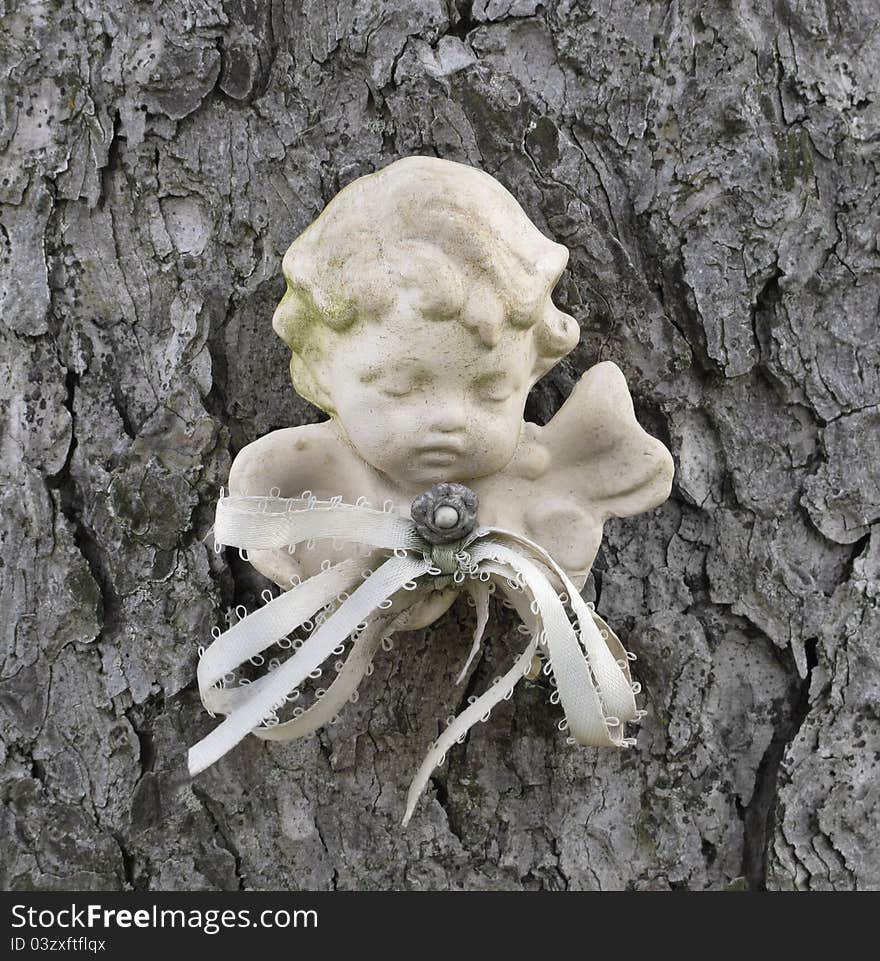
<point>424,400</point>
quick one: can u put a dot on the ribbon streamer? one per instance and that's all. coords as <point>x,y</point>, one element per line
<point>589,665</point>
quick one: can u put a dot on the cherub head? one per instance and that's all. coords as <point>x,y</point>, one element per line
<point>418,314</point>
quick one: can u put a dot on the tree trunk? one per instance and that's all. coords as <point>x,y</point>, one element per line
<point>713,169</point>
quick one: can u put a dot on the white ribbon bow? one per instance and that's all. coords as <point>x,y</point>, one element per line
<point>589,664</point>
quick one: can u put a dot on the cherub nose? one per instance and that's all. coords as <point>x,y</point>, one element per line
<point>448,419</point>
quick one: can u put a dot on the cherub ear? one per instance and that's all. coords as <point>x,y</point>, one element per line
<point>556,335</point>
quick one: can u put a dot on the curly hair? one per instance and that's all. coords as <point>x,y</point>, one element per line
<point>449,232</point>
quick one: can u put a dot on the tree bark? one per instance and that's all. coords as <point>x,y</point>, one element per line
<point>713,169</point>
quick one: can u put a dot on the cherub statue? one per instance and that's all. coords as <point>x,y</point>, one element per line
<point>418,313</point>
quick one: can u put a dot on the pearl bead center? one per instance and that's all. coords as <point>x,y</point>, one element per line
<point>445,517</point>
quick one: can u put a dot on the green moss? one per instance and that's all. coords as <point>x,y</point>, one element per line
<point>793,147</point>
<point>127,506</point>
<point>645,836</point>
<point>83,589</point>
<point>795,158</point>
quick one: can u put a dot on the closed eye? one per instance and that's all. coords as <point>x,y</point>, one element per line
<point>494,388</point>
<point>398,385</point>
<point>396,390</point>
<point>401,383</point>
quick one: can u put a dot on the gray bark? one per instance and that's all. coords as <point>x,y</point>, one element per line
<point>713,169</point>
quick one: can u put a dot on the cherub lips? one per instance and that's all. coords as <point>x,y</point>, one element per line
<point>437,458</point>
<point>439,453</point>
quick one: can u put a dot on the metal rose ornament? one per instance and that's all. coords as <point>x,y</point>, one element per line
<point>418,314</point>
<point>445,514</point>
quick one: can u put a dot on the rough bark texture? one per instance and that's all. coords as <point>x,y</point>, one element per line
<point>713,168</point>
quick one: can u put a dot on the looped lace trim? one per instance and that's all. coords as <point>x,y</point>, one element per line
<point>586,661</point>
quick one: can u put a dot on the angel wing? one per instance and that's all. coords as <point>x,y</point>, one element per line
<point>611,464</point>
<point>591,462</point>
